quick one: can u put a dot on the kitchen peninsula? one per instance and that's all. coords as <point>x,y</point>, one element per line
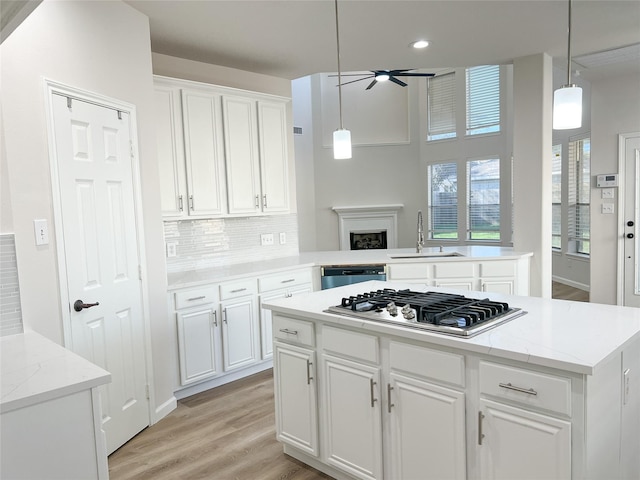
<point>554,393</point>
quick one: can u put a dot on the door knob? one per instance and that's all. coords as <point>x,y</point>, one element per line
<point>630,223</point>
<point>78,305</point>
<point>629,235</point>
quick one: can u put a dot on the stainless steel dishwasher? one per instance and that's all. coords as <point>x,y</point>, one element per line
<point>337,276</point>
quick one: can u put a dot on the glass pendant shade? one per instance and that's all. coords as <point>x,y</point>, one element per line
<point>341,144</point>
<point>567,108</point>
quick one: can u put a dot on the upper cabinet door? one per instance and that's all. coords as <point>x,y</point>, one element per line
<point>202,137</point>
<point>242,156</point>
<point>173,187</point>
<point>272,126</point>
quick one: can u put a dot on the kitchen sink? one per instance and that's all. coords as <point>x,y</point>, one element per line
<point>426,255</point>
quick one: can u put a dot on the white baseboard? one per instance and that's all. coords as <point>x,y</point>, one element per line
<point>165,409</point>
<point>571,283</point>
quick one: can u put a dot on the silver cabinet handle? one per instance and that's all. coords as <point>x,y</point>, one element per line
<point>309,377</point>
<point>180,205</point>
<point>289,332</point>
<point>625,386</point>
<point>191,202</point>
<point>238,290</point>
<point>214,314</point>
<point>257,201</point>
<point>193,299</point>
<point>288,280</point>
<point>264,200</point>
<point>373,399</point>
<point>224,315</point>
<point>508,386</point>
<point>389,388</point>
<point>480,434</point>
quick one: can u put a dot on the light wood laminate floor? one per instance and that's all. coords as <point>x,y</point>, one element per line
<point>226,433</point>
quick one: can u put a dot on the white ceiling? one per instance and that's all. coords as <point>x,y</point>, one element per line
<point>295,38</point>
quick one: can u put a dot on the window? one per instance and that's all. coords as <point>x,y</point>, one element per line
<point>441,109</point>
<point>579,195</point>
<point>443,201</point>
<point>556,197</point>
<point>483,99</point>
<point>483,199</point>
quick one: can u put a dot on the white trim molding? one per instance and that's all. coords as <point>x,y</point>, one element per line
<point>367,218</point>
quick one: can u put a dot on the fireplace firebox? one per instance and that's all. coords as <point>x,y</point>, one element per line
<point>368,240</point>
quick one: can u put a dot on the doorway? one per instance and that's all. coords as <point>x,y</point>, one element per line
<point>98,242</point>
<point>629,220</point>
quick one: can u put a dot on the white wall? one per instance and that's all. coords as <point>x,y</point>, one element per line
<point>102,47</point>
<point>615,109</point>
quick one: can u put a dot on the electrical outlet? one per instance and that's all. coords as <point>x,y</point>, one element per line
<point>607,193</point>
<point>283,238</point>
<point>172,249</point>
<point>41,231</point>
<point>266,239</point>
<point>607,208</point>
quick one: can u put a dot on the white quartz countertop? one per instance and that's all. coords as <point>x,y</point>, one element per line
<point>194,278</point>
<point>571,336</point>
<point>35,369</point>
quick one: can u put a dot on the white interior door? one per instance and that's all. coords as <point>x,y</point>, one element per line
<point>94,164</point>
<point>631,219</point>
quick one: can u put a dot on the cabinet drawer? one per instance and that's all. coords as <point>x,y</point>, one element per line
<point>498,269</point>
<point>237,289</point>
<point>195,296</point>
<point>454,270</point>
<point>408,271</point>
<point>293,330</point>
<point>526,387</point>
<point>427,363</point>
<point>284,280</point>
<point>350,344</point>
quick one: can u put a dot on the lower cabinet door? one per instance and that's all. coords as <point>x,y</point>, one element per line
<point>427,430</point>
<point>352,424</point>
<point>516,443</point>
<point>196,344</point>
<point>295,395</point>
<point>239,333</point>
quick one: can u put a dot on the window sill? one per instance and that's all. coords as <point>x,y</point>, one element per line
<point>579,256</point>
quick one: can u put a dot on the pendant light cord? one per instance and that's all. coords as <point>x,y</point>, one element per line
<point>569,49</point>
<point>339,73</point>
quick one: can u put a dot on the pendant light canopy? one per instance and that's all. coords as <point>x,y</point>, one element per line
<point>567,100</point>
<point>341,137</point>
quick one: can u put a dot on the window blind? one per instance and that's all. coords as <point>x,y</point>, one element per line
<point>483,199</point>
<point>443,201</point>
<point>483,99</point>
<point>441,103</point>
<point>579,195</point>
<point>556,197</point>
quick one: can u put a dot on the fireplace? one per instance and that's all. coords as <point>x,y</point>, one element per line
<point>368,240</point>
<point>368,227</point>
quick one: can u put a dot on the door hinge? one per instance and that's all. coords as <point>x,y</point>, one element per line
<point>146,391</point>
<point>140,272</point>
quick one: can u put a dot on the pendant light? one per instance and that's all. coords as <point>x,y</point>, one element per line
<point>341,137</point>
<point>567,100</point>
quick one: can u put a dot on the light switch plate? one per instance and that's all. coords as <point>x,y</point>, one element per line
<point>283,238</point>
<point>41,232</point>
<point>607,208</point>
<point>607,193</point>
<point>172,249</point>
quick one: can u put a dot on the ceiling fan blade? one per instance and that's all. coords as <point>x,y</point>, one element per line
<point>372,84</point>
<point>399,82</point>
<point>357,80</point>
<point>414,74</point>
<point>349,75</point>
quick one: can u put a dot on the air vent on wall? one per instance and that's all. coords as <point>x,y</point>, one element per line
<point>297,130</point>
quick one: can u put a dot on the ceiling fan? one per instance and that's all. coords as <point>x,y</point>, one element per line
<point>384,75</point>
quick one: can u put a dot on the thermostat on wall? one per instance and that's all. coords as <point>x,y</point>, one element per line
<point>607,180</point>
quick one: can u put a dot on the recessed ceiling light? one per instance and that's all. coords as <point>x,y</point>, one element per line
<point>419,44</point>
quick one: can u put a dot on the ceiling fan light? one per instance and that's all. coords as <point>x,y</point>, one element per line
<point>418,44</point>
<point>567,107</point>
<point>382,77</point>
<point>341,144</point>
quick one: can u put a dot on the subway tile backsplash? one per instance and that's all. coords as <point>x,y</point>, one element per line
<point>215,242</point>
<point>10,309</point>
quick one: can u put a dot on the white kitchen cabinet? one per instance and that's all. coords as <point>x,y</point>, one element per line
<point>295,391</point>
<point>256,153</point>
<point>352,424</point>
<point>427,429</point>
<point>240,335</point>
<point>518,443</point>
<point>272,287</point>
<point>197,330</point>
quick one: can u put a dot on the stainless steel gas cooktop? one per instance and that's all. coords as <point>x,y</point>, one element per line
<point>439,312</point>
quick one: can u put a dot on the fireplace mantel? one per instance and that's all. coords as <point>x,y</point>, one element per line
<point>361,219</point>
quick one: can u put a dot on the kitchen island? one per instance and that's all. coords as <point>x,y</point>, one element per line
<point>50,415</point>
<point>554,393</point>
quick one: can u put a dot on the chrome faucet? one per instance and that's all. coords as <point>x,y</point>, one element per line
<point>420,243</point>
